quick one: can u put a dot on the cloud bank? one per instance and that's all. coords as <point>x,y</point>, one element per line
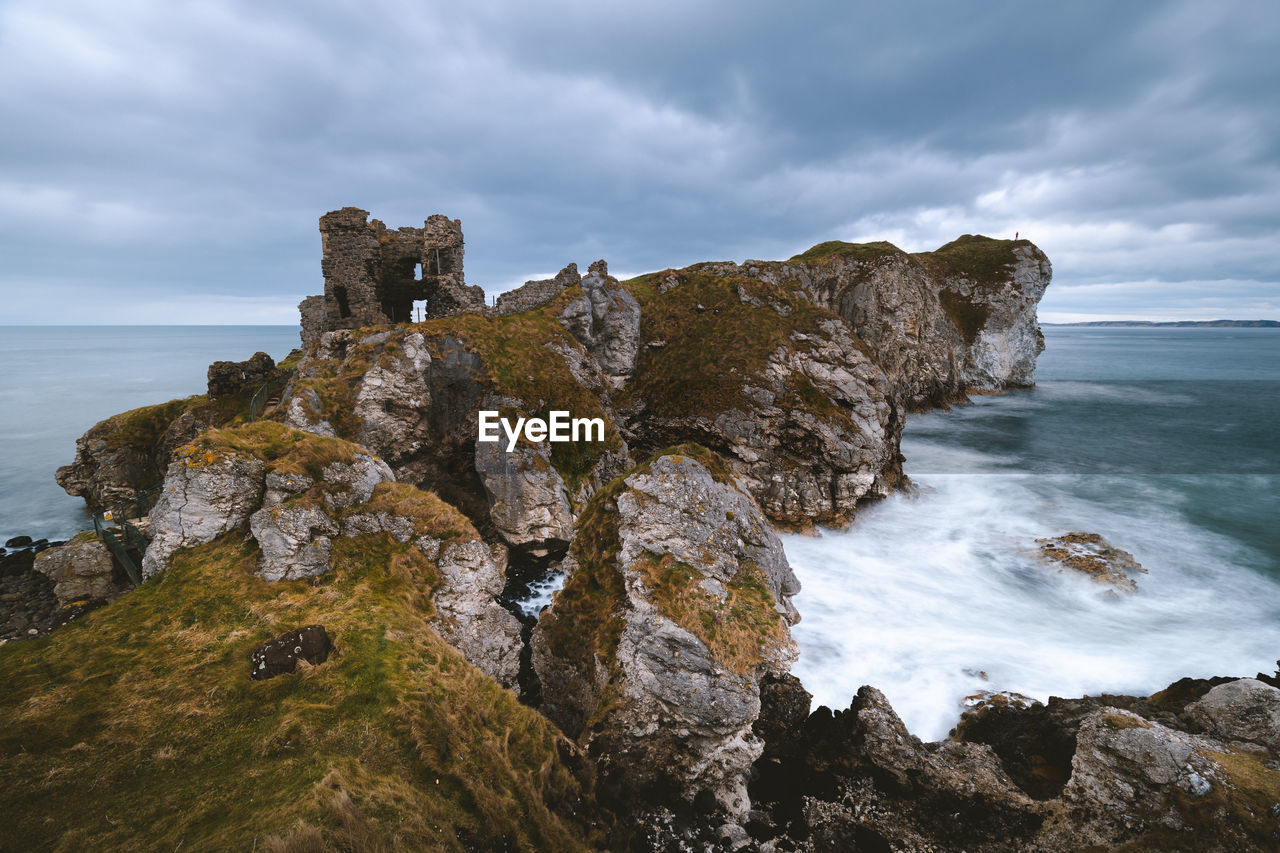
<point>167,163</point>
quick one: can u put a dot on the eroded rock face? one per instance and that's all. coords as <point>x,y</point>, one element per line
<point>940,323</point>
<point>414,400</point>
<point>528,500</point>
<point>295,519</point>
<point>667,693</point>
<point>471,619</point>
<point>606,322</point>
<point>205,495</point>
<point>81,570</point>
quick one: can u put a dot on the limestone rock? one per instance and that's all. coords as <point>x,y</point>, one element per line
<point>204,496</point>
<point>700,616</point>
<point>295,540</point>
<point>471,619</point>
<point>1090,554</point>
<point>81,569</point>
<point>1240,712</point>
<point>941,323</point>
<point>528,500</point>
<point>607,322</point>
<point>810,434</point>
<point>351,483</point>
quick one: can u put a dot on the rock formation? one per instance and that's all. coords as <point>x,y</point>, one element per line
<point>676,605</point>
<point>752,395</point>
<point>941,323</point>
<point>1111,772</point>
<point>81,570</point>
<point>1094,557</point>
<point>297,493</point>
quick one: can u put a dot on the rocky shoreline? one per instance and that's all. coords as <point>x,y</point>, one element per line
<point>658,708</point>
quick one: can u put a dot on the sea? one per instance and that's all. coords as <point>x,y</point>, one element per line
<point>1162,440</point>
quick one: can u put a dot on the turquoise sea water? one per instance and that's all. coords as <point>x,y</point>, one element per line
<point>57,381</point>
<point>1162,440</point>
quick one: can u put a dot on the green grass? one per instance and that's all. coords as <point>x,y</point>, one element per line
<point>738,631</point>
<point>285,450</point>
<point>985,261</point>
<point>838,250</point>
<point>137,727</point>
<point>710,354</point>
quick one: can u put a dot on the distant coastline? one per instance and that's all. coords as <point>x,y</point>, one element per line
<point>1217,324</point>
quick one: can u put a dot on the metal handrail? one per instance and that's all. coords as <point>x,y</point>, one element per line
<point>113,545</point>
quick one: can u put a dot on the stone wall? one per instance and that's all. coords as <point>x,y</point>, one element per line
<point>234,377</point>
<point>373,275</point>
<point>533,294</point>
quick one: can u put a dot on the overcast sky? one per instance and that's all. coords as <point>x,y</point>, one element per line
<point>166,162</point>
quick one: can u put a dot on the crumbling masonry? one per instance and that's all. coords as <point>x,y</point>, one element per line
<point>373,275</point>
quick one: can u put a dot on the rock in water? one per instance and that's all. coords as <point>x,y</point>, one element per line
<point>677,606</point>
<point>281,655</point>
<point>1094,556</point>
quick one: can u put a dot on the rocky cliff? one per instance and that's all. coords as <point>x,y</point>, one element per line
<point>676,605</point>
<point>735,398</point>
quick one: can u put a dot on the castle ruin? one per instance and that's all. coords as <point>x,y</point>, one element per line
<point>373,275</point>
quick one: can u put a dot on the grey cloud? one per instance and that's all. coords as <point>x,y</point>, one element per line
<point>152,150</point>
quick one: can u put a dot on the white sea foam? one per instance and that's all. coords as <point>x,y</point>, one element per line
<point>940,595</point>
<point>540,593</point>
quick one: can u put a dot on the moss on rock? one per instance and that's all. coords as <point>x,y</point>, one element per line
<point>396,742</point>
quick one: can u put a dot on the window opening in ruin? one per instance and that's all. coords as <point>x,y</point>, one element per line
<point>419,311</point>
<point>340,294</point>
<point>417,272</point>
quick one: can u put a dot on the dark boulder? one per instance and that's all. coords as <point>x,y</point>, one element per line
<point>18,542</point>
<point>281,655</point>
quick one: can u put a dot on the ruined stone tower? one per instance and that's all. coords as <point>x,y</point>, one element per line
<point>373,275</point>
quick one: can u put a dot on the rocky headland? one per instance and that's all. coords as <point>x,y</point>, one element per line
<point>333,522</point>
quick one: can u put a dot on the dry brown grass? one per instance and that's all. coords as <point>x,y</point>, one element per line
<point>138,726</point>
<point>740,630</point>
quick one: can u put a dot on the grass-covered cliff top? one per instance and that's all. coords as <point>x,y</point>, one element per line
<point>707,334</point>
<point>396,742</point>
<point>285,450</point>
<point>976,257</point>
<point>837,249</point>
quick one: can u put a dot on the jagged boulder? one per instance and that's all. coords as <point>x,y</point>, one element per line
<point>606,320</point>
<point>81,570</point>
<point>676,606</point>
<point>1244,712</point>
<point>207,492</point>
